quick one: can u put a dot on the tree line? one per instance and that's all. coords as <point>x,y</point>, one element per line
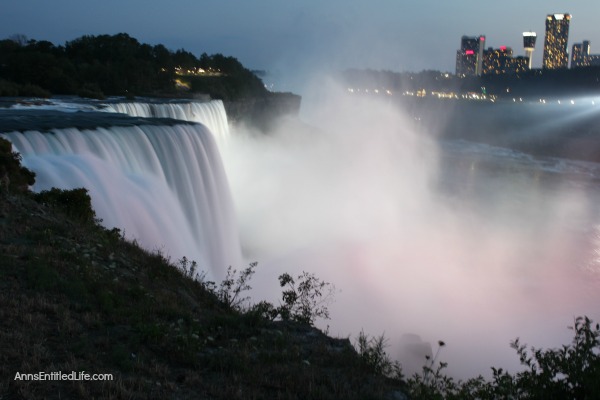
<point>116,65</point>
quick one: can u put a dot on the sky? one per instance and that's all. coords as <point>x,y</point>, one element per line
<point>290,39</point>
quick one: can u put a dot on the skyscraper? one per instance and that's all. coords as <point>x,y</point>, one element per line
<point>529,39</point>
<point>555,43</point>
<point>469,58</point>
<point>580,56</point>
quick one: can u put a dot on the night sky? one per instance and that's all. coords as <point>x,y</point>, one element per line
<point>292,38</point>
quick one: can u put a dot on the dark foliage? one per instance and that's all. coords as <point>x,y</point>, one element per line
<point>304,299</point>
<point>97,66</point>
<point>12,173</point>
<point>75,203</point>
<point>569,372</point>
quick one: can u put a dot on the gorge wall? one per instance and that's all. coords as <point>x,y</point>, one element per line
<point>262,112</point>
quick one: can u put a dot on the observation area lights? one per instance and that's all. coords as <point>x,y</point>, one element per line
<point>197,71</point>
<point>370,91</point>
<point>422,92</point>
<point>445,95</point>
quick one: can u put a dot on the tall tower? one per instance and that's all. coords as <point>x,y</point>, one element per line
<point>529,45</point>
<point>469,59</point>
<point>555,43</point>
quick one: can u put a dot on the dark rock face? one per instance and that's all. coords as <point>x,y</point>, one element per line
<point>263,112</point>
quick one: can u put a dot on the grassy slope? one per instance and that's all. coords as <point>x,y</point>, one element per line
<point>76,297</point>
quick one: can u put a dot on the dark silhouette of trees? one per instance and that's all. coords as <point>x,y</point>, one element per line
<point>236,81</point>
<point>95,66</point>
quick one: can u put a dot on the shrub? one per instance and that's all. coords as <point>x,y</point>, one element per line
<point>20,178</point>
<point>573,371</point>
<point>229,290</point>
<point>306,300</point>
<point>569,372</point>
<point>189,268</point>
<point>233,285</point>
<point>91,91</point>
<point>75,203</point>
<point>8,88</point>
<point>371,351</point>
<point>302,302</point>
<point>31,90</point>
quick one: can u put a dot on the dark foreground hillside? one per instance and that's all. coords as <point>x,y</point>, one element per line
<point>76,297</point>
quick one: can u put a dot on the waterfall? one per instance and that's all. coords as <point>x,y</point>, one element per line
<point>164,186</point>
<point>211,113</point>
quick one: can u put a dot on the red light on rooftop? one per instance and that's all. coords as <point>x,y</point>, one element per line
<point>469,52</point>
<point>503,48</point>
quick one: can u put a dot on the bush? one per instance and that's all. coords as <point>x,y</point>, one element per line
<point>229,290</point>
<point>233,285</point>
<point>19,177</point>
<point>75,203</point>
<point>9,89</point>
<point>91,91</point>
<point>570,372</point>
<point>573,371</point>
<point>305,301</point>
<point>371,351</point>
<point>31,90</point>
<point>302,302</point>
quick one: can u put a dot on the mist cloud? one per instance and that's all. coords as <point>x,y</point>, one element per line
<point>417,238</point>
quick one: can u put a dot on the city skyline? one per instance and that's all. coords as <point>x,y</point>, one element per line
<point>299,38</point>
<point>475,59</point>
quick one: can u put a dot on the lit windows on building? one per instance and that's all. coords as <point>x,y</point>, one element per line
<point>469,58</point>
<point>594,60</point>
<point>501,61</point>
<point>520,64</point>
<point>581,57</point>
<point>555,43</point>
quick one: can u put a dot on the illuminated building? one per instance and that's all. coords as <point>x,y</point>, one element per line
<point>501,61</point>
<point>469,59</point>
<point>520,64</point>
<point>529,39</point>
<point>581,56</point>
<point>555,43</point>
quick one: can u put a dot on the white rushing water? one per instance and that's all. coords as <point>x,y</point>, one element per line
<point>210,113</point>
<point>163,185</point>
